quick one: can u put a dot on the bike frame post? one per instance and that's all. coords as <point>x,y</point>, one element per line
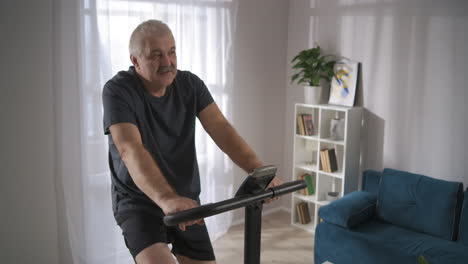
<point>252,233</point>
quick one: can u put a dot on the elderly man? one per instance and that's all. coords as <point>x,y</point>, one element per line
<point>149,115</point>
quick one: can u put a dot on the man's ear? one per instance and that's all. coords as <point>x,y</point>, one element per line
<point>134,61</point>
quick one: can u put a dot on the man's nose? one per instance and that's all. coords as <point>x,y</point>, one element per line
<point>165,60</point>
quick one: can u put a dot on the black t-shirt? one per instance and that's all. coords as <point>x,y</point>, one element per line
<point>167,128</point>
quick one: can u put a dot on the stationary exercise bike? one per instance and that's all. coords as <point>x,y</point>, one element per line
<point>250,195</point>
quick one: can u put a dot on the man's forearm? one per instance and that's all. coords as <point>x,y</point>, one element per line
<point>227,138</point>
<point>237,149</point>
<point>146,174</point>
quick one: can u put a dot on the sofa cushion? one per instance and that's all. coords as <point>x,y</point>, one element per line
<point>336,244</point>
<point>371,181</point>
<point>378,242</point>
<point>420,203</point>
<point>351,210</point>
<point>463,231</point>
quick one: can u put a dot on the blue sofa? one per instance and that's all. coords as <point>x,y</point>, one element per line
<point>396,218</point>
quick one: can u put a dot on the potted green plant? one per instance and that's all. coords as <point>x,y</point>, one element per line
<point>312,67</point>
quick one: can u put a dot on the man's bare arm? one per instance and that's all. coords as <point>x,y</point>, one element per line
<point>145,172</point>
<point>227,138</point>
<point>229,141</point>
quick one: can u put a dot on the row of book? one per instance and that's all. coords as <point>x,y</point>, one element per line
<point>309,190</point>
<point>328,162</point>
<point>305,125</point>
<point>303,215</point>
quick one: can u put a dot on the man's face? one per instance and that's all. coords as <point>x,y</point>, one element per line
<point>157,63</point>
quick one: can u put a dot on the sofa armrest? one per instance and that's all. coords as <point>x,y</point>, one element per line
<point>463,225</point>
<point>350,210</point>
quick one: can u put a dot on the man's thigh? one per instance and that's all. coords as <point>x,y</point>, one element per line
<point>142,230</point>
<point>194,243</point>
<point>145,233</point>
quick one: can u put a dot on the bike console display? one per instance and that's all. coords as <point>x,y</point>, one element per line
<point>257,181</point>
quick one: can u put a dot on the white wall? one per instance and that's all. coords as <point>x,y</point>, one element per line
<point>28,228</point>
<point>260,52</point>
<point>414,89</point>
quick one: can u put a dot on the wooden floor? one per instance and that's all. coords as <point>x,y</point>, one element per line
<point>281,243</point>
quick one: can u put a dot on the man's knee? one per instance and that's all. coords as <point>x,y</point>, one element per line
<point>186,260</point>
<point>158,253</point>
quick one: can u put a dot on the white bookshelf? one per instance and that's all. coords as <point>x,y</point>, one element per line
<point>306,157</point>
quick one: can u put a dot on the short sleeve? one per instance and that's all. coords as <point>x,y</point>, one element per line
<point>117,106</point>
<point>203,95</point>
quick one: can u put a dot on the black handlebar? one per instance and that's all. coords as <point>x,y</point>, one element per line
<point>231,204</point>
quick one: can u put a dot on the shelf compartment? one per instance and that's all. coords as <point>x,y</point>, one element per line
<point>326,115</point>
<point>314,113</point>
<point>295,216</point>
<point>328,184</point>
<point>339,152</point>
<point>298,172</point>
<point>305,152</point>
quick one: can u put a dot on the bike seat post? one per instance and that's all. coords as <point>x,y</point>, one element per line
<point>252,233</point>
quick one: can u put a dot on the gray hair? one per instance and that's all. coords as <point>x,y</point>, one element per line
<point>145,29</point>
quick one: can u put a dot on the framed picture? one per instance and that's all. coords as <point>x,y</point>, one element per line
<point>344,83</point>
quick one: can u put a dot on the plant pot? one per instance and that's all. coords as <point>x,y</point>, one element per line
<point>312,94</point>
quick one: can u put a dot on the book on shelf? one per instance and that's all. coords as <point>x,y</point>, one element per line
<point>304,125</point>
<point>303,191</point>
<point>323,160</point>
<point>328,160</point>
<point>297,127</point>
<point>306,212</point>
<point>332,160</point>
<point>300,125</point>
<point>309,190</point>
<point>303,215</point>
<point>310,184</point>
<point>308,124</point>
<point>300,214</point>
<point>320,163</point>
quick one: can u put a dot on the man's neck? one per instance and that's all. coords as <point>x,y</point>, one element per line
<point>152,88</point>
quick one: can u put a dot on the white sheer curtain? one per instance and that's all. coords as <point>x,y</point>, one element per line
<point>203,30</point>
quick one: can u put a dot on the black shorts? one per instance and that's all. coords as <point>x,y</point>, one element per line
<point>142,229</point>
